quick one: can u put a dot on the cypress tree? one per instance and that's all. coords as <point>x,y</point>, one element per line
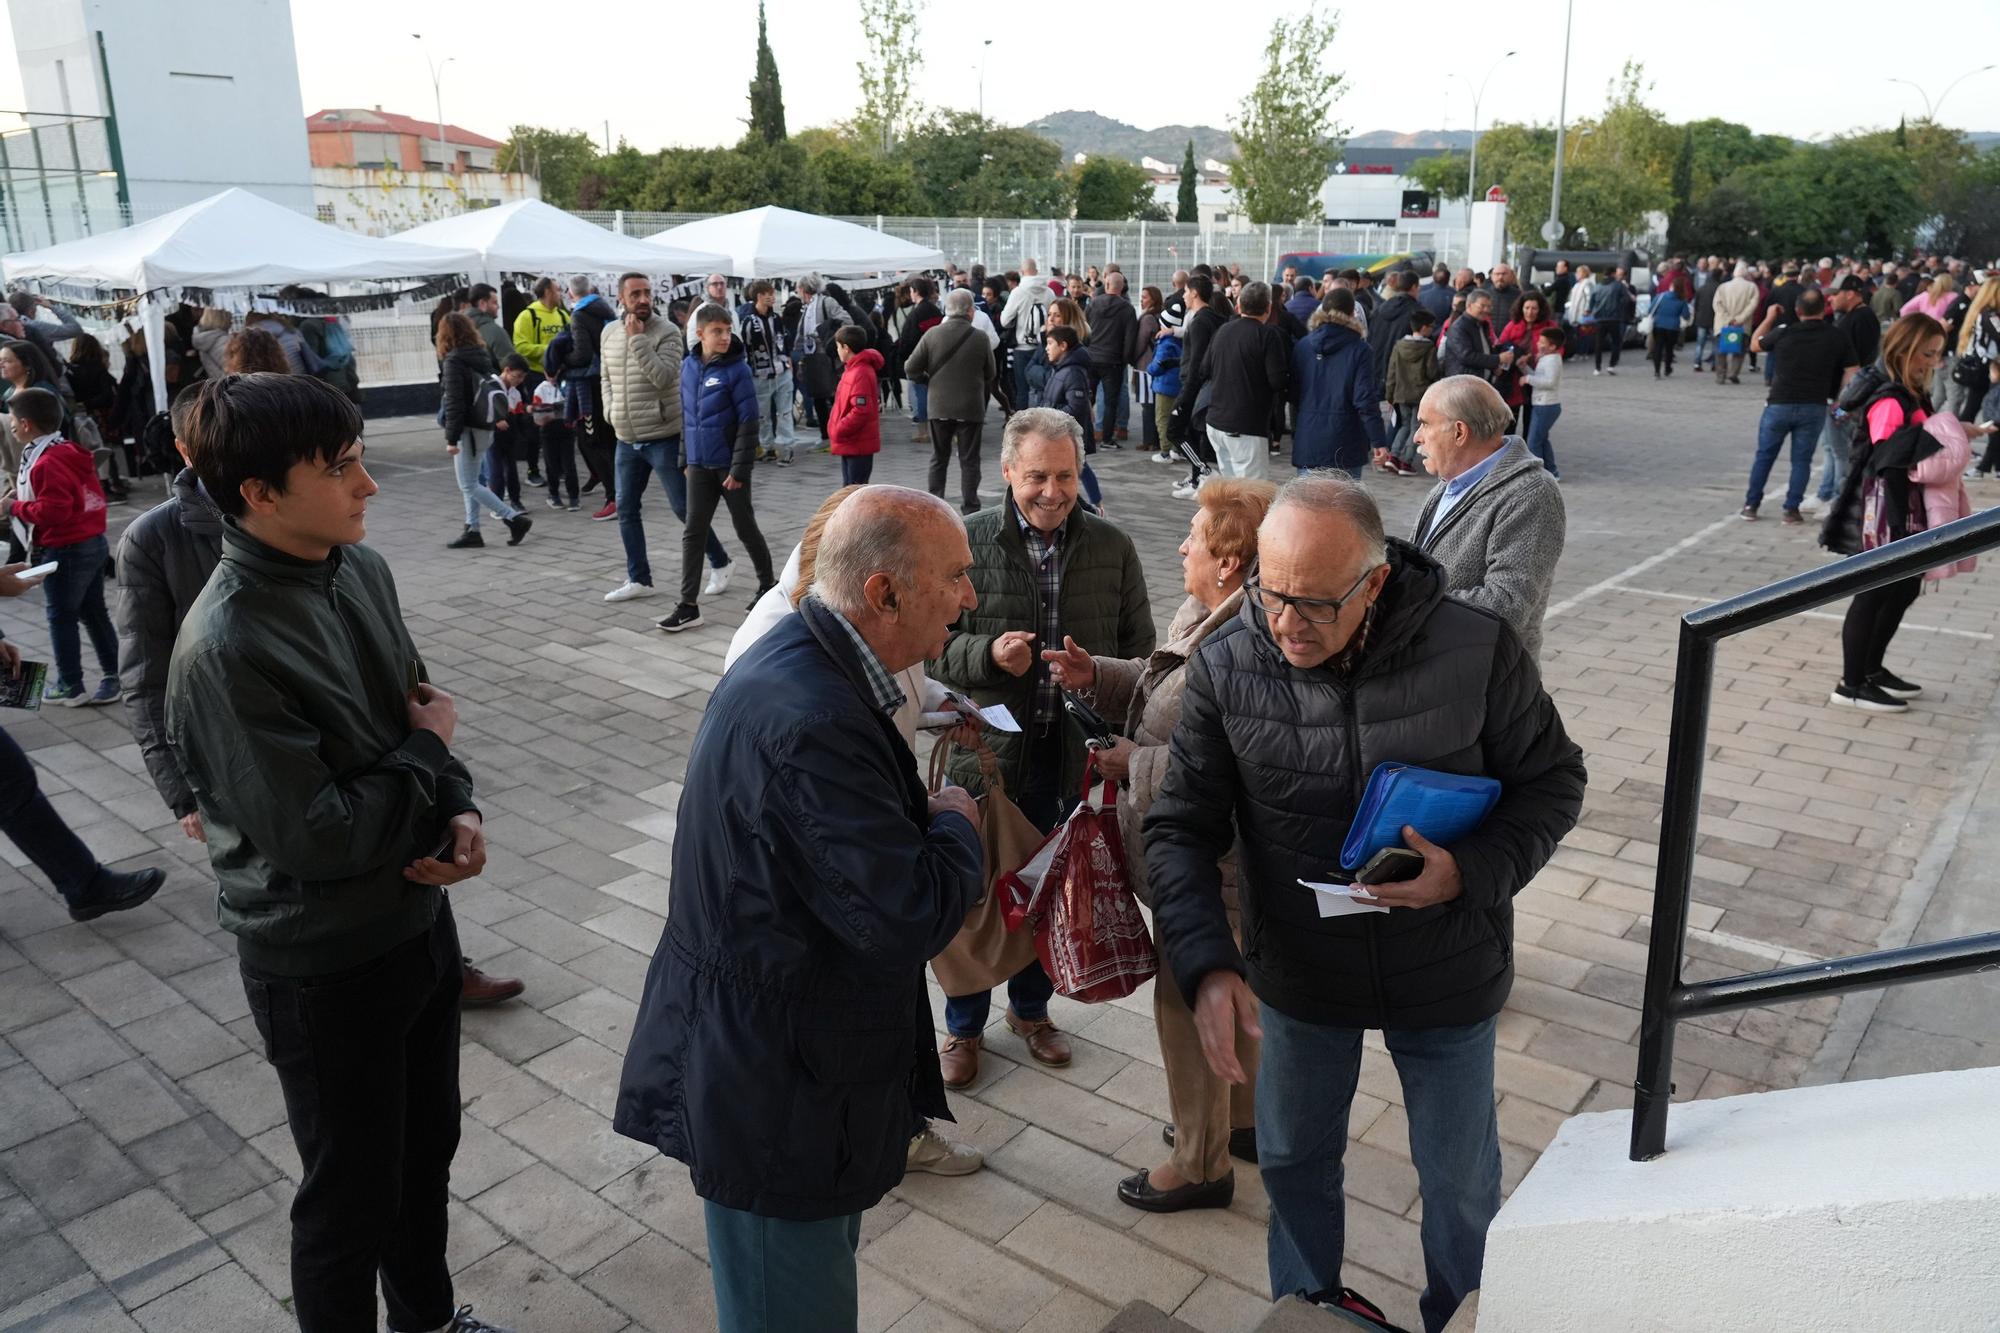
<point>1188,210</point>
<point>767,99</point>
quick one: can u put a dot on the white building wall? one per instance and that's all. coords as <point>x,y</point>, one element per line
<point>206,97</point>
<point>379,201</point>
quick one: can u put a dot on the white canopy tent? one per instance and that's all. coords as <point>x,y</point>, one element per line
<point>530,236</point>
<point>234,240</point>
<point>774,242</point>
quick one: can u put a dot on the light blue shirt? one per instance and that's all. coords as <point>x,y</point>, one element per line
<point>1456,489</point>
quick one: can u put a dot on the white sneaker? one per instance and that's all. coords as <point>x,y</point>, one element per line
<point>1812,504</point>
<point>1184,491</point>
<point>932,1152</point>
<point>628,590</point>
<point>718,579</point>
<point>1166,456</point>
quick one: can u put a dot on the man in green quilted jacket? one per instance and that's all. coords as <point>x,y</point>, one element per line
<point>1047,571</point>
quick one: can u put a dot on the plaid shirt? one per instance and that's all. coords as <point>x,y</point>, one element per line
<point>887,693</point>
<point>1045,553</point>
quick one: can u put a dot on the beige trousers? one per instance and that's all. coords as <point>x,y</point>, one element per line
<point>1205,1108</point>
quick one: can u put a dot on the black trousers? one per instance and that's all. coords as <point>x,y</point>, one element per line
<point>704,491</point>
<point>598,443</point>
<point>502,474</point>
<point>1610,337</point>
<point>368,1060</point>
<point>822,415</point>
<point>559,457</point>
<point>1873,618</point>
<point>964,436</point>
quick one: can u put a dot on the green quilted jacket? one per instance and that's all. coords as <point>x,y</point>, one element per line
<point>1104,608</point>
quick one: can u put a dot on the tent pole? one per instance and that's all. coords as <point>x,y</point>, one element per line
<point>153,317</point>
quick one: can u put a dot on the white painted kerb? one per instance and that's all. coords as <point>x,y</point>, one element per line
<point>1859,1205</point>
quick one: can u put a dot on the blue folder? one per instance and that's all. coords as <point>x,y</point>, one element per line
<point>1444,807</point>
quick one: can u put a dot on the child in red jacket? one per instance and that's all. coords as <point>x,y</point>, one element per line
<point>58,512</point>
<point>855,426</point>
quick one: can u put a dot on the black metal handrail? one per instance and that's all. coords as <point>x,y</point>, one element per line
<point>1669,998</point>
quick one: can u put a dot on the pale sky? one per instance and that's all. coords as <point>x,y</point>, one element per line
<point>670,74</point>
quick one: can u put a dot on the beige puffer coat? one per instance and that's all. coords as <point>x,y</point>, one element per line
<point>1144,695</point>
<point>642,379</point>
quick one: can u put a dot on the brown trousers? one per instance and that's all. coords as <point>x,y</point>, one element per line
<point>1205,1108</point>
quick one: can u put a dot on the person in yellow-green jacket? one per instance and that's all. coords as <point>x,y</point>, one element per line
<point>537,325</point>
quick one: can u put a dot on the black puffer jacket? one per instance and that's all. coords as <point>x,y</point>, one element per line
<point>1280,755</point>
<point>464,370</point>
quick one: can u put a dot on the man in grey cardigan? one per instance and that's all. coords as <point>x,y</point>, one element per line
<point>956,361</point>
<point>1495,520</point>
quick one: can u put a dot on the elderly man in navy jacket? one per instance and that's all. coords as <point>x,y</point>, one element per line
<point>783,1045</point>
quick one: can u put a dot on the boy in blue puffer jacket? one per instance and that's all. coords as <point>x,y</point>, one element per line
<point>1165,370</point>
<point>718,449</point>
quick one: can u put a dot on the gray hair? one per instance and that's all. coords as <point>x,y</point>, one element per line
<point>1326,491</point>
<point>1043,423</point>
<point>1742,269</point>
<point>877,530</point>
<point>1470,399</point>
<point>581,286</point>
<point>811,282</point>
<point>958,301</point>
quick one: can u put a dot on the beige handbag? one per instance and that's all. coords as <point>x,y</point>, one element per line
<point>983,953</point>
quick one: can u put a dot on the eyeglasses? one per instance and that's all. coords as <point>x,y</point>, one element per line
<point>1310,610</point>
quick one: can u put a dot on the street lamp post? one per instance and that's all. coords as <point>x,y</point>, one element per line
<point>1472,167</point>
<point>1932,108</point>
<point>1552,230</point>
<point>437,98</point>
<point>985,49</point>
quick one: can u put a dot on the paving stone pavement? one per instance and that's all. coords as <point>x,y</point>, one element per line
<point>145,1167</point>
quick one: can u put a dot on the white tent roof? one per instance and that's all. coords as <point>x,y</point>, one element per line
<point>233,239</point>
<point>530,236</point>
<point>775,242</point>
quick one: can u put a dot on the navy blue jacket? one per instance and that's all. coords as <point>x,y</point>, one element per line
<point>1436,297</point>
<point>1068,390</point>
<point>1334,389</point>
<point>784,1047</point>
<point>719,411</point>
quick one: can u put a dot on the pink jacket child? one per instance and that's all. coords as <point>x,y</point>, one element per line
<point>1941,476</point>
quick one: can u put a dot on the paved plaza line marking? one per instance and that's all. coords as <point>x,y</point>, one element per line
<point>1632,571</point>
<point>1814,615</point>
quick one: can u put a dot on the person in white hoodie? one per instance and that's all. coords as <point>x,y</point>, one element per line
<point>1544,377</point>
<point>1576,310</point>
<point>1026,314</point>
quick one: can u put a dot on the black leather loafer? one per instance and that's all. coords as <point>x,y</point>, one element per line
<point>1139,1192</point>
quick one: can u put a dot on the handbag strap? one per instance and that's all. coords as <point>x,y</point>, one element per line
<point>989,766</point>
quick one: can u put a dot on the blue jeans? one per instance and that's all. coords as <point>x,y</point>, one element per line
<point>856,469</point>
<point>774,413</point>
<point>465,465</point>
<point>635,462</point>
<point>775,1276</point>
<point>1833,442</point>
<point>73,597</point>
<point>1702,338</point>
<point>1539,426</point>
<point>1801,421</point>
<point>1305,1087</point>
<point>920,401</point>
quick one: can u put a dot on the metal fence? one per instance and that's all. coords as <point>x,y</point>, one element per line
<point>1669,999</point>
<point>1147,252</point>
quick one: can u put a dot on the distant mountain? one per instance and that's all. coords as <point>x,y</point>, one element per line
<point>1101,136</point>
<point>1441,140</point>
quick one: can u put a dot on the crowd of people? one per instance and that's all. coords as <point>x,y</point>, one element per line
<point>784,1045</point>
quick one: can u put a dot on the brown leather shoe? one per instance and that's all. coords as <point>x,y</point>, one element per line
<point>959,1059</point>
<point>1045,1043</point>
<point>481,990</point>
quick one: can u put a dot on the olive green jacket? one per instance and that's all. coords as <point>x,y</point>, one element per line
<point>1103,607</point>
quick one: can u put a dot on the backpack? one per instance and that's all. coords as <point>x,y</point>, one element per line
<point>489,403</point>
<point>1850,410</point>
<point>156,446</point>
<point>555,356</point>
<point>337,346</point>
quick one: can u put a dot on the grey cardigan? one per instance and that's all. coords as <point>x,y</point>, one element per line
<point>1499,544</point>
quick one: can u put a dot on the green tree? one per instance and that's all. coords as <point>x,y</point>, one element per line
<point>767,98</point>
<point>1849,196</point>
<point>1726,220</point>
<point>1902,131</point>
<point>1188,207</point>
<point>723,180</point>
<point>1721,146</point>
<point>888,108</point>
<point>1110,189</point>
<point>1969,223</point>
<point>1443,176</point>
<point>1683,188</point>
<point>857,182</point>
<point>965,167</point>
<point>1285,136</point>
<point>559,159</point>
<point>618,179</point>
